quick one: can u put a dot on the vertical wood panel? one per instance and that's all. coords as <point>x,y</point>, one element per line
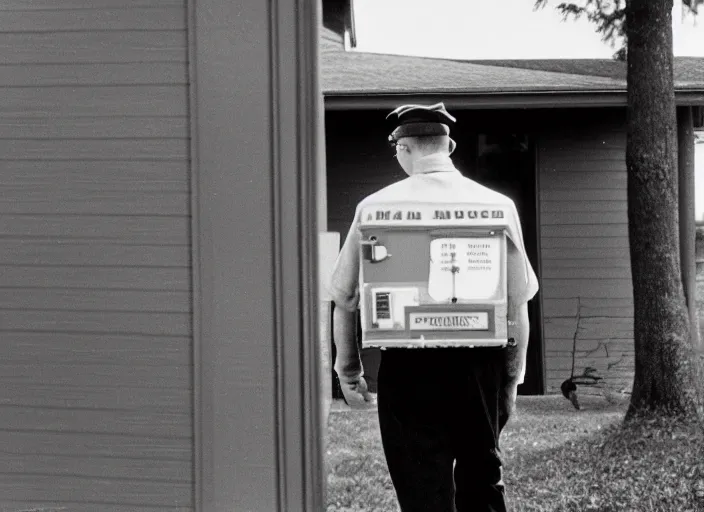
<point>255,345</point>
<point>235,353</point>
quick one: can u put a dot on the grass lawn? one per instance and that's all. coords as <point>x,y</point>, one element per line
<point>555,459</point>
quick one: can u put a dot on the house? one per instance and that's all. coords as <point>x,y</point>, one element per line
<point>548,133</point>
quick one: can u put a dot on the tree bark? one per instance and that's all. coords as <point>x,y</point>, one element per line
<point>665,364</point>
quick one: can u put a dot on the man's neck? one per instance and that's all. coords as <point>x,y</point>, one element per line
<point>433,162</point>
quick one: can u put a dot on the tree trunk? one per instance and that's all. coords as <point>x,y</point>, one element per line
<point>665,364</point>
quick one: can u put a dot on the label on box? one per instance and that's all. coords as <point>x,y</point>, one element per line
<point>449,321</point>
<point>464,268</point>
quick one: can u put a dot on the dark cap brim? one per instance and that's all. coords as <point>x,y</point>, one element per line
<point>419,130</point>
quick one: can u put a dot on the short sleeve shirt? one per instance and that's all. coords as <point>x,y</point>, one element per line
<point>437,180</point>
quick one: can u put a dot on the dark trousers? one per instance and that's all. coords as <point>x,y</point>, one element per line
<point>440,414</point>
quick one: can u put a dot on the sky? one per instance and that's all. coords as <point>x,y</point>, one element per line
<point>494,29</point>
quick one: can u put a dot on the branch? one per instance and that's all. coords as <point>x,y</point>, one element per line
<point>601,344</point>
<point>692,5</point>
<point>576,333</point>
<point>609,366</point>
<point>609,16</point>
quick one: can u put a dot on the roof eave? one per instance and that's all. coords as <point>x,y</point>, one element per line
<point>497,100</point>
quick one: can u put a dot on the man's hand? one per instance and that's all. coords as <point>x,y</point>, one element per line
<point>356,394</point>
<point>507,403</point>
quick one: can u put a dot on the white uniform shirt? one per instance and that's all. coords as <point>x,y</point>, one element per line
<point>435,179</point>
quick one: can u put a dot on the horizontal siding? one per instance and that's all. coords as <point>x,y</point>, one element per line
<point>22,252</point>
<point>137,73</point>
<point>597,231</point>
<point>83,48</point>
<point>48,320</point>
<point>126,228</point>
<point>136,422</point>
<point>112,350</point>
<point>95,300</point>
<point>78,201</point>
<point>63,444</point>
<point>589,327</point>
<point>568,288</point>
<point>600,307</point>
<point>580,148</point>
<point>123,468</point>
<point>566,165</point>
<point>92,19</point>
<point>44,5</point>
<point>590,347</point>
<point>98,278</point>
<point>101,375</point>
<point>577,243</point>
<point>88,128</point>
<point>585,256</point>
<point>143,377</point>
<point>587,261</point>
<point>567,218</point>
<point>73,506</point>
<point>94,397</point>
<point>586,181</point>
<point>94,149</point>
<point>551,205</point>
<point>589,194</point>
<point>66,101</point>
<point>593,139</point>
<point>97,491</point>
<point>584,272</point>
<point>599,361</point>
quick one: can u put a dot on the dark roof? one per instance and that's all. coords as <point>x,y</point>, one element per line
<point>358,73</point>
<point>688,71</point>
<point>592,67</point>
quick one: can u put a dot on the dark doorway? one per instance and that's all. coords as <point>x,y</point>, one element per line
<point>506,163</point>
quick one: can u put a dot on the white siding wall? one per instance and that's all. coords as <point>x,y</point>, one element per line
<point>95,295</point>
<point>585,258</point>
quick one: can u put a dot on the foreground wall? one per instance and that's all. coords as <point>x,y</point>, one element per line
<point>95,296</point>
<point>157,318</point>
